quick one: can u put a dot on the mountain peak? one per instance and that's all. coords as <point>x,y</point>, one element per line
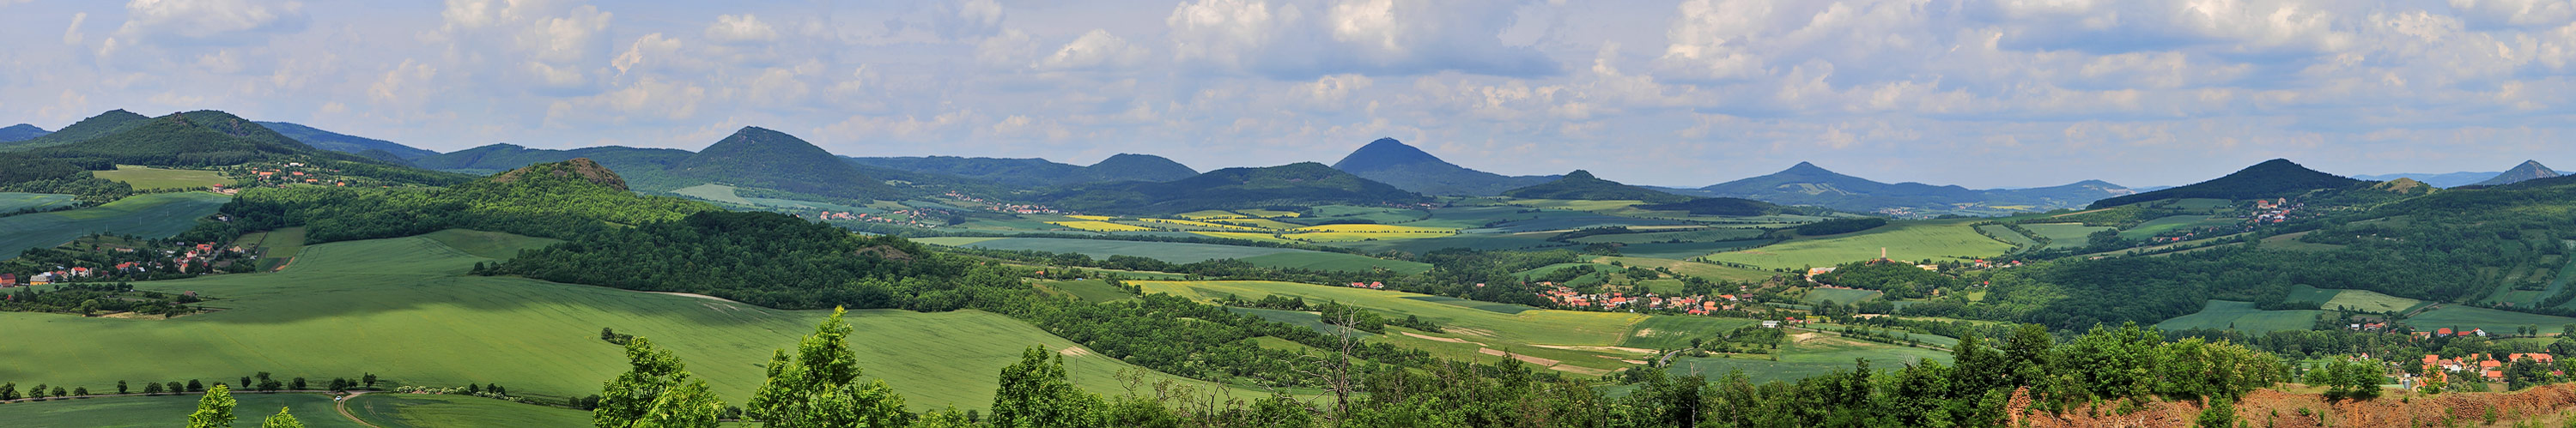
<point>21,132</point>
<point>2527,171</point>
<point>1385,153</point>
<point>2272,178</point>
<point>1580,175</point>
<point>1581,185</point>
<point>581,168</point>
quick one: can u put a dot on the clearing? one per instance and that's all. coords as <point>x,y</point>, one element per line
<point>1903,240</point>
<point>2242,316</point>
<point>146,178</point>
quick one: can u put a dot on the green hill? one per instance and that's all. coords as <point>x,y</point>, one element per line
<point>1808,184</point>
<point>1581,185</point>
<point>102,124</point>
<point>1039,172</point>
<point>344,143</point>
<point>1299,184</point>
<point>2270,179</point>
<point>761,158</point>
<point>2527,171</point>
<point>1405,167</point>
<point>551,200</point>
<point>1720,207</point>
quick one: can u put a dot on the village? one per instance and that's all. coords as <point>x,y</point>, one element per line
<point>101,258</point>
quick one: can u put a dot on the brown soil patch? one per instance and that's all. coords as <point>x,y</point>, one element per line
<point>1523,358</point>
<point>1438,338</point>
<point>1633,362</point>
<point>1645,332</point>
<point>2274,408</point>
<point>134,316</point>
<point>1073,352</point>
<point>1586,371</point>
<point>1491,351</point>
<point>1470,331</point>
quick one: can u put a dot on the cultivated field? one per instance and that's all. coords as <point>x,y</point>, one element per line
<point>402,309</point>
<point>2461,317</point>
<point>1704,270</point>
<point>1588,343</point>
<point>2167,223</point>
<point>456,411</point>
<point>314,410</point>
<point>2369,301</point>
<point>144,177</point>
<point>1843,296</point>
<point>1184,252</point>
<point>1904,240</point>
<point>2242,316</point>
<point>1809,355</point>
<point>158,215</point>
<point>2065,235</point>
<point>1099,226</point>
<point>11,202</point>
<point>280,246</point>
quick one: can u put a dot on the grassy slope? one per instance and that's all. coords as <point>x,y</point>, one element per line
<point>2461,317</point>
<point>2242,316</point>
<point>12,201</point>
<point>1904,240</point>
<point>1810,357</point>
<point>314,410</point>
<point>144,177</point>
<point>1469,329</point>
<point>399,308</point>
<point>157,215</point>
<point>1183,252</point>
<point>453,411</point>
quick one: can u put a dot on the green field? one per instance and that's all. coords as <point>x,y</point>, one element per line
<point>1477,241</point>
<point>2459,317</point>
<point>713,192</point>
<point>1185,252</point>
<point>158,215</point>
<point>1703,235</point>
<point>144,177</point>
<point>1904,240</point>
<point>2168,223</point>
<point>2065,235</point>
<point>2368,301</point>
<point>2008,235</point>
<point>1704,270</point>
<point>1089,290</point>
<point>280,246</point>
<point>1809,357</point>
<point>2242,316</point>
<point>402,308</point>
<point>11,202</point>
<point>1687,250</point>
<point>457,411</point>
<point>1843,296</point>
<point>314,410</point>
<point>1583,342</point>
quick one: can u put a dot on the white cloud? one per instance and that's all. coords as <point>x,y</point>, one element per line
<point>1095,49</point>
<point>740,29</point>
<point>966,19</point>
<point>208,21</point>
<point>2520,13</point>
<point>1299,40</point>
<point>72,34</point>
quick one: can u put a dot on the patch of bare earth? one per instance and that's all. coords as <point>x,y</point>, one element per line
<point>1439,339</point>
<point>1073,352</point>
<point>2275,408</point>
<point>1600,349</point>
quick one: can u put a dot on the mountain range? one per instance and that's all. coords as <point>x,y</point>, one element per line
<point>1808,184</point>
<point>2527,171</point>
<point>21,132</point>
<point>1297,184</point>
<point>1032,172</point>
<point>1392,162</point>
<point>1581,185</point>
<point>344,143</point>
<point>2270,179</point>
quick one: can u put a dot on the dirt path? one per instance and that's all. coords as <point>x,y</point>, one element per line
<point>342,405</point>
<point>1440,339</point>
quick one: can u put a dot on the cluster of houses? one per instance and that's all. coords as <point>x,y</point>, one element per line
<point>1369,285</point>
<point>179,261</point>
<point>1694,305</point>
<point>2272,211</point>
<point>286,174</point>
<point>873,218</point>
<point>2491,369</point>
<point>2447,332</point>
<point>1008,208</point>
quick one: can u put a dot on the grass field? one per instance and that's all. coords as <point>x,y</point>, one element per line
<point>1702,235</point>
<point>713,192</point>
<point>1100,226</point>
<point>2008,235</point>
<point>11,202</point>
<point>1184,252</point>
<point>2459,317</point>
<point>1571,223</point>
<point>2366,300</point>
<point>1844,296</point>
<point>457,411</point>
<point>279,245</point>
<point>1089,290</point>
<point>1478,241</point>
<point>2241,316</point>
<point>1704,270</point>
<point>402,308</point>
<point>158,215</point>
<point>1688,250</point>
<point>1811,356</point>
<point>2167,223</point>
<point>314,410</point>
<point>2065,235</point>
<point>1585,343</point>
<point>1904,240</point>
<point>144,177</point>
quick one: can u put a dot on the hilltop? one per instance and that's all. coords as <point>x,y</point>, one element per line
<point>21,132</point>
<point>192,139</point>
<point>2443,180</point>
<point>2270,179</point>
<point>1582,185</point>
<point>582,168</point>
<point>1033,172</point>
<point>1403,166</point>
<point>762,158</point>
<point>1299,184</point>
<point>344,143</point>
<point>1719,206</point>
<point>104,123</point>
<point>631,161</point>
<point>1808,184</point>
<point>2527,171</point>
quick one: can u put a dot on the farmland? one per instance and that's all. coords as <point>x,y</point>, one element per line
<point>1808,355</point>
<point>11,202</point>
<point>277,246</point>
<point>1837,295</point>
<point>2368,301</point>
<point>2463,317</point>
<point>445,411</point>
<point>158,215</point>
<point>1183,252</point>
<point>400,308</point>
<point>314,410</point>
<point>1582,342</point>
<point>2242,316</point>
<point>2065,235</point>
<point>1904,240</point>
<point>2169,223</point>
<point>144,177</point>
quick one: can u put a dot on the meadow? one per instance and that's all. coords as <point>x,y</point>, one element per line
<point>713,192</point>
<point>279,246</point>
<point>2008,235</point>
<point>1808,355</point>
<point>1185,252</point>
<point>11,202</point>
<point>2368,301</point>
<point>1704,270</point>
<point>2169,223</point>
<point>402,309</point>
<point>2242,316</point>
<point>1589,343</point>
<point>145,178</point>
<point>158,215</point>
<point>2065,235</point>
<point>314,410</point>
<point>1699,235</point>
<point>2463,317</point>
<point>1904,240</point>
<point>1844,296</point>
<point>457,411</point>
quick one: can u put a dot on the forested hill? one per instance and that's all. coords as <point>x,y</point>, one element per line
<point>21,132</point>
<point>1405,167</point>
<point>1034,172</point>
<point>757,157</point>
<point>1299,184</point>
<point>192,139</point>
<point>344,143</point>
<point>1582,185</point>
<point>1808,184</point>
<point>2527,171</point>
<point>1730,207</point>
<point>2271,179</point>
<point>102,124</point>
<point>554,200</point>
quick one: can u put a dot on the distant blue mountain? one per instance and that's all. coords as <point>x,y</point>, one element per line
<point>21,132</point>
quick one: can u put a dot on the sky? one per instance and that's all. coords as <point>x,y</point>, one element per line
<point>2007,93</point>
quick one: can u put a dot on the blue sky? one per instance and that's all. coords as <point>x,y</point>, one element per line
<point>1691,92</point>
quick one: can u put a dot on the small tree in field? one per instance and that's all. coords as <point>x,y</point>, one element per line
<point>215,410</point>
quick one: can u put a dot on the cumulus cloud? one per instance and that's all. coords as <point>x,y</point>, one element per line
<point>740,30</point>
<point>1298,40</point>
<point>554,46</point>
<point>208,21</point>
<point>1095,49</point>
